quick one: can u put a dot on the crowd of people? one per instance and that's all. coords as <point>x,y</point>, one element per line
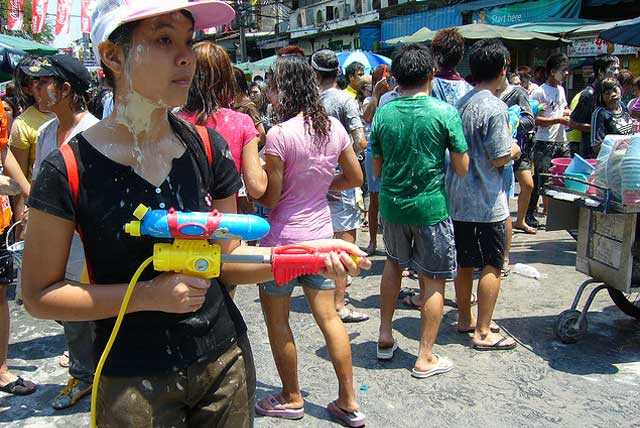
<point>432,152</point>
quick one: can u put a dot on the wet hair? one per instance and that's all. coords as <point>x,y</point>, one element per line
<point>291,50</point>
<point>625,78</point>
<point>524,71</point>
<point>213,86</point>
<point>295,83</point>
<point>448,47</point>
<point>353,69</point>
<point>555,62</point>
<point>487,59</point>
<point>378,73</point>
<point>326,59</point>
<point>607,84</point>
<point>23,81</point>
<point>602,62</point>
<point>242,86</point>
<point>79,100</point>
<point>123,36</point>
<point>412,65</point>
<point>258,78</point>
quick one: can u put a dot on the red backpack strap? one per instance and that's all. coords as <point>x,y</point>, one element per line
<point>72,171</point>
<point>71,165</point>
<point>203,132</point>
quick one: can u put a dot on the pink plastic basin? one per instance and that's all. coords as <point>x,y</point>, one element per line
<point>559,165</point>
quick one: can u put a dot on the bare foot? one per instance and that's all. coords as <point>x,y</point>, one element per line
<point>493,341</point>
<point>7,377</point>
<point>423,365</point>
<point>291,404</point>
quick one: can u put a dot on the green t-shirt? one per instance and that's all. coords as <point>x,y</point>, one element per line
<point>412,134</point>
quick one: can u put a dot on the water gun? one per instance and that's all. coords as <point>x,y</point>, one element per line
<point>515,114</point>
<point>191,253</point>
<point>537,107</point>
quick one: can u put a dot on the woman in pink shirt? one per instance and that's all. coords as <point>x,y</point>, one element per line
<point>211,96</point>
<point>302,152</point>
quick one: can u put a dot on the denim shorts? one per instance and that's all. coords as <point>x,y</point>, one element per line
<point>345,215</point>
<point>430,249</point>
<point>373,183</point>
<point>317,282</point>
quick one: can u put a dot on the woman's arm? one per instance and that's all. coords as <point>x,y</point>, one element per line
<point>338,264</point>
<point>275,174</point>
<point>255,178</point>
<point>351,172</point>
<point>48,295</point>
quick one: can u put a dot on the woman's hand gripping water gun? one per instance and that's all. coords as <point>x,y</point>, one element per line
<point>192,254</point>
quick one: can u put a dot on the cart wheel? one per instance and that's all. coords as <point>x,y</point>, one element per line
<point>629,303</point>
<point>566,329</point>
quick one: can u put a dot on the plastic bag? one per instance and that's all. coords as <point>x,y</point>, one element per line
<point>608,171</point>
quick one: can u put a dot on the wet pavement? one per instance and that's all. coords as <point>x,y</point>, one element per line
<point>543,383</point>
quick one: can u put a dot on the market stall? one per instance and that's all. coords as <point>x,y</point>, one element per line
<point>602,205</point>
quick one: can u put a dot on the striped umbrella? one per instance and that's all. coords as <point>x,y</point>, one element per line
<point>368,59</point>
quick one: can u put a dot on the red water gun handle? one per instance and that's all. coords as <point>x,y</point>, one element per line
<point>291,261</point>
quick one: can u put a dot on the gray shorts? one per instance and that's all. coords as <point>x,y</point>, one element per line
<point>317,282</point>
<point>430,249</point>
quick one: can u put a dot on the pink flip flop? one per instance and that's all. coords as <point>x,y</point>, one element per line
<point>352,419</point>
<point>270,406</point>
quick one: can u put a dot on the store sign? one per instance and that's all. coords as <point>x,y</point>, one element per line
<point>593,46</point>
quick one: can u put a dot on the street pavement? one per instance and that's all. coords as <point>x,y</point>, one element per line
<point>543,383</point>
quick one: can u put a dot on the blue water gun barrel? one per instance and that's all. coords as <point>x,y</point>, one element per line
<point>196,225</point>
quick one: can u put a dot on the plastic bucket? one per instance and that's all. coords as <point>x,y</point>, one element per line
<point>559,166</point>
<point>581,166</point>
<point>574,185</point>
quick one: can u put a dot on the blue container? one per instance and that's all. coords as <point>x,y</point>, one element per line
<point>574,185</point>
<point>580,166</point>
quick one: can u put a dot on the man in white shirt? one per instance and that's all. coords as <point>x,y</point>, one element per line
<point>551,137</point>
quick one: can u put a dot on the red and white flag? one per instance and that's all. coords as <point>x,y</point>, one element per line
<point>63,16</point>
<point>38,15</point>
<point>86,7</point>
<point>16,14</point>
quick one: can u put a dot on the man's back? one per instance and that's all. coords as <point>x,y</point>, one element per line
<point>478,197</point>
<point>411,134</point>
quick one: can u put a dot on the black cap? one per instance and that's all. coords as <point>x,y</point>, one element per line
<point>64,67</point>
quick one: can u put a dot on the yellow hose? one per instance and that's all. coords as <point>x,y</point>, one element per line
<point>112,338</point>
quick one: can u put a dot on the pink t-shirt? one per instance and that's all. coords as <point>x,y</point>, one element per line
<point>303,210</point>
<point>235,127</point>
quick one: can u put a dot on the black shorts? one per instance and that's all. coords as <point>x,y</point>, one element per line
<point>523,163</point>
<point>6,262</point>
<point>480,244</point>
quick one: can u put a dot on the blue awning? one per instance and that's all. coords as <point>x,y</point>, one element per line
<point>555,25</point>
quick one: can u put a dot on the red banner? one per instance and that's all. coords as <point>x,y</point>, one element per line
<point>63,16</point>
<point>16,14</point>
<point>86,7</point>
<point>38,15</point>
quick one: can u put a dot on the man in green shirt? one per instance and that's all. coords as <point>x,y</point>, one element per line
<point>410,136</point>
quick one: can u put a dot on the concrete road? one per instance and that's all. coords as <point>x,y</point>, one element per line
<point>543,383</point>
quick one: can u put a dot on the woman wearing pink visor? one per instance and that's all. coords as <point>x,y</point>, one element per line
<point>182,357</point>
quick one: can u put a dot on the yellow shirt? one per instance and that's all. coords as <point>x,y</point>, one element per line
<point>575,135</point>
<point>349,90</point>
<point>24,133</point>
